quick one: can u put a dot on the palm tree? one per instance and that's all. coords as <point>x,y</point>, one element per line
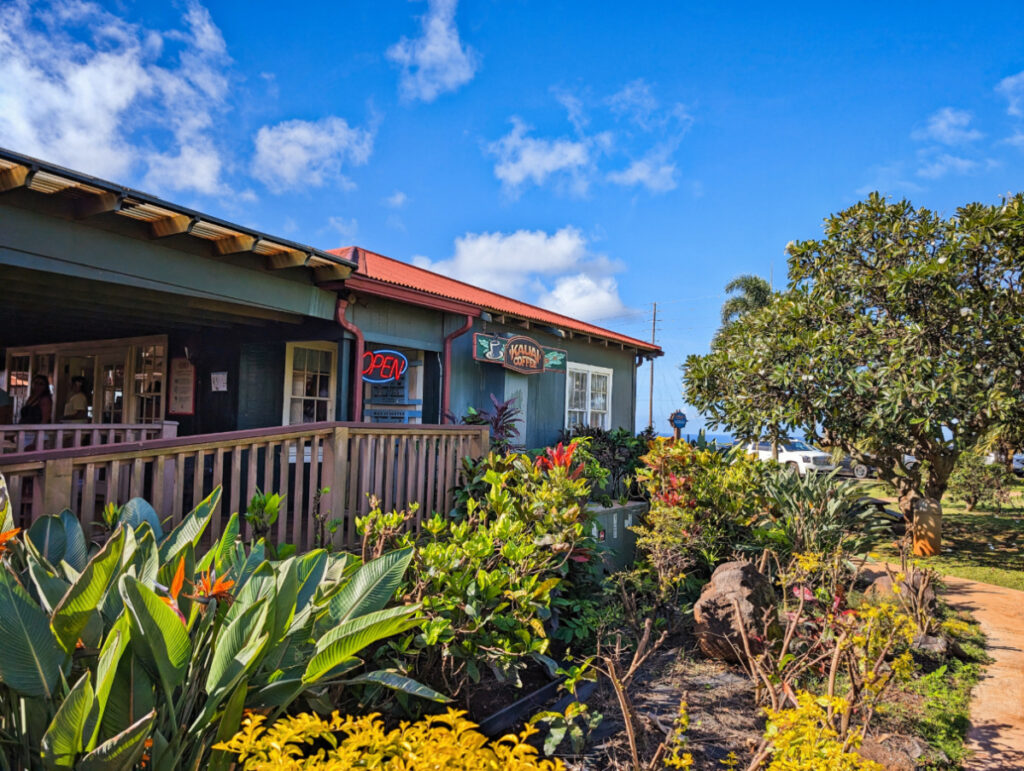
<point>754,293</point>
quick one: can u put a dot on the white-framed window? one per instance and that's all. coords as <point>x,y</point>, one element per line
<point>310,382</point>
<point>588,396</point>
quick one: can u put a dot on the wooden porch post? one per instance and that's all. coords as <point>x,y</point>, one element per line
<point>335,473</point>
<point>57,485</point>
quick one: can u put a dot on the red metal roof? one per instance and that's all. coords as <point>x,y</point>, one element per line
<point>391,271</point>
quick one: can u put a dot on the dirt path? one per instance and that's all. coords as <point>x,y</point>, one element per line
<point>996,733</point>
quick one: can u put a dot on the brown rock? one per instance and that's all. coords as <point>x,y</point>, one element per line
<point>734,584</point>
<point>882,587</point>
<point>888,757</point>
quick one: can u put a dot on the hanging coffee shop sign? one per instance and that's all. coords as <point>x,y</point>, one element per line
<point>519,354</point>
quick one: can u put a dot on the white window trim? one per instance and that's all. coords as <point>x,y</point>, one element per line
<point>289,360</point>
<point>590,369</point>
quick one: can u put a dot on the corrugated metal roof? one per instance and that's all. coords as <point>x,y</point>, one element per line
<point>392,271</point>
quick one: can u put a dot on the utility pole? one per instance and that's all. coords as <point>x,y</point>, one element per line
<point>650,400</point>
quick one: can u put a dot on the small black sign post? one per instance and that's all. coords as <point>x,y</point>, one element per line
<point>678,421</point>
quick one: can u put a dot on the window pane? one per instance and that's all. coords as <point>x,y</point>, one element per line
<point>299,358</point>
<point>578,392</point>
<point>598,392</point>
<point>597,420</point>
<point>295,413</point>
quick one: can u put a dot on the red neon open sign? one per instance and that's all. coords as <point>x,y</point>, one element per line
<point>384,366</point>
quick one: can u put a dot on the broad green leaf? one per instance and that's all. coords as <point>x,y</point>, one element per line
<point>224,554</point>
<point>352,636</point>
<point>30,657</point>
<point>191,529</point>
<point>372,586</point>
<point>106,670</point>
<point>6,516</point>
<point>242,663</point>
<point>312,567</point>
<point>47,535</point>
<point>85,597</point>
<point>123,751</point>
<point>397,682</point>
<point>50,588</point>
<point>132,694</point>
<point>230,723</point>
<point>287,590</point>
<point>231,640</point>
<point>137,511</point>
<point>76,553</point>
<point>63,742</point>
<point>159,638</point>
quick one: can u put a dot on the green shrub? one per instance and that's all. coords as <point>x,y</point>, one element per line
<point>148,647</point>
<point>703,504</point>
<point>976,482</point>
<point>485,580</point>
<point>619,451</point>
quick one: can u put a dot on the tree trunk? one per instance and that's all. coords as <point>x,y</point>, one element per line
<point>927,527</point>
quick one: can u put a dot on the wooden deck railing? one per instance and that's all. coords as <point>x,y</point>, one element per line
<point>400,464</point>
<point>61,436</point>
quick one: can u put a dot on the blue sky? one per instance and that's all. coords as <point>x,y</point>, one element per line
<point>589,156</point>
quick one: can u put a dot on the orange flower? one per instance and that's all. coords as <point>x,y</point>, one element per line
<point>6,537</point>
<point>211,587</point>
<point>175,590</point>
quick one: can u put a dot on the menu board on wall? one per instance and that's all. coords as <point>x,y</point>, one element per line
<point>183,387</point>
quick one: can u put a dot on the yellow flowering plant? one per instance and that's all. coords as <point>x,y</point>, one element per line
<point>447,741</point>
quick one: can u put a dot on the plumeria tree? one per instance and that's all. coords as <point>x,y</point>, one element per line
<point>900,335</point>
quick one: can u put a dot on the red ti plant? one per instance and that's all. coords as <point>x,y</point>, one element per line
<point>560,456</point>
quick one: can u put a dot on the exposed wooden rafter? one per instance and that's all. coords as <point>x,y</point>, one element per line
<point>234,244</point>
<point>325,273</point>
<point>290,259</point>
<point>14,177</point>
<point>97,204</point>
<point>171,226</point>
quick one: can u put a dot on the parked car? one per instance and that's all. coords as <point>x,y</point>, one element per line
<point>796,454</point>
<point>851,467</point>
<point>1016,465</point>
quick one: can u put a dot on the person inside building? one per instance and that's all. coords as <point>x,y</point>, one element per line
<point>38,407</point>
<point>76,408</point>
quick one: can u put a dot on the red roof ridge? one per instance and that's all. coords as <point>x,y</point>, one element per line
<point>535,312</point>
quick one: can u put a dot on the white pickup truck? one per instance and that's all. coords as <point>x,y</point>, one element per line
<point>795,454</point>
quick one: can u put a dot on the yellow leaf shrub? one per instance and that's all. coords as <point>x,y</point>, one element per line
<point>446,741</point>
<point>803,739</point>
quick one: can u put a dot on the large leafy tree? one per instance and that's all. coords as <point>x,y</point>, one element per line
<point>900,334</point>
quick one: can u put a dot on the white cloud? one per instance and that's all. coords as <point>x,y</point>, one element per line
<point>949,127</point>
<point>437,61</point>
<point>522,158</point>
<point>299,153</point>
<point>943,164</point>
<point>636,102</point>
<point>584,297</point>
<point>83,88</point>
<point>889,179</point>
<point>346,228</point>
<point>396,200</point>
<point>574,107</point>
<point>532,265</point>
<point>655,172</point>
<point>1013,89</point>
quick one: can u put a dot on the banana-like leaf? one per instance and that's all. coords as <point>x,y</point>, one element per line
<point>397,682</point>
<point>30,657</point>
<point>49,587</point>
<point>372,586</point>
<point>159,638</point>
<point>123,751</point>
<point>6,516</point>
<point>287,591</point>
<point>47,535</point>
<point>191,529</point>
<point>242,663</point>
<point>63,741</point>
<point>76,553</point>
<point>312,567</point>
<point>85,597</point>
<point>230,723</point>
<point>131,694</point>
<point>137,511</point>
<point>352,636</point>
<point>231,640</point>
<point>106,670</point>
<point>224,554</point>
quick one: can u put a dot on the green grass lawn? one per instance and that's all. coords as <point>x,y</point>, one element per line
<point>981,545</point>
